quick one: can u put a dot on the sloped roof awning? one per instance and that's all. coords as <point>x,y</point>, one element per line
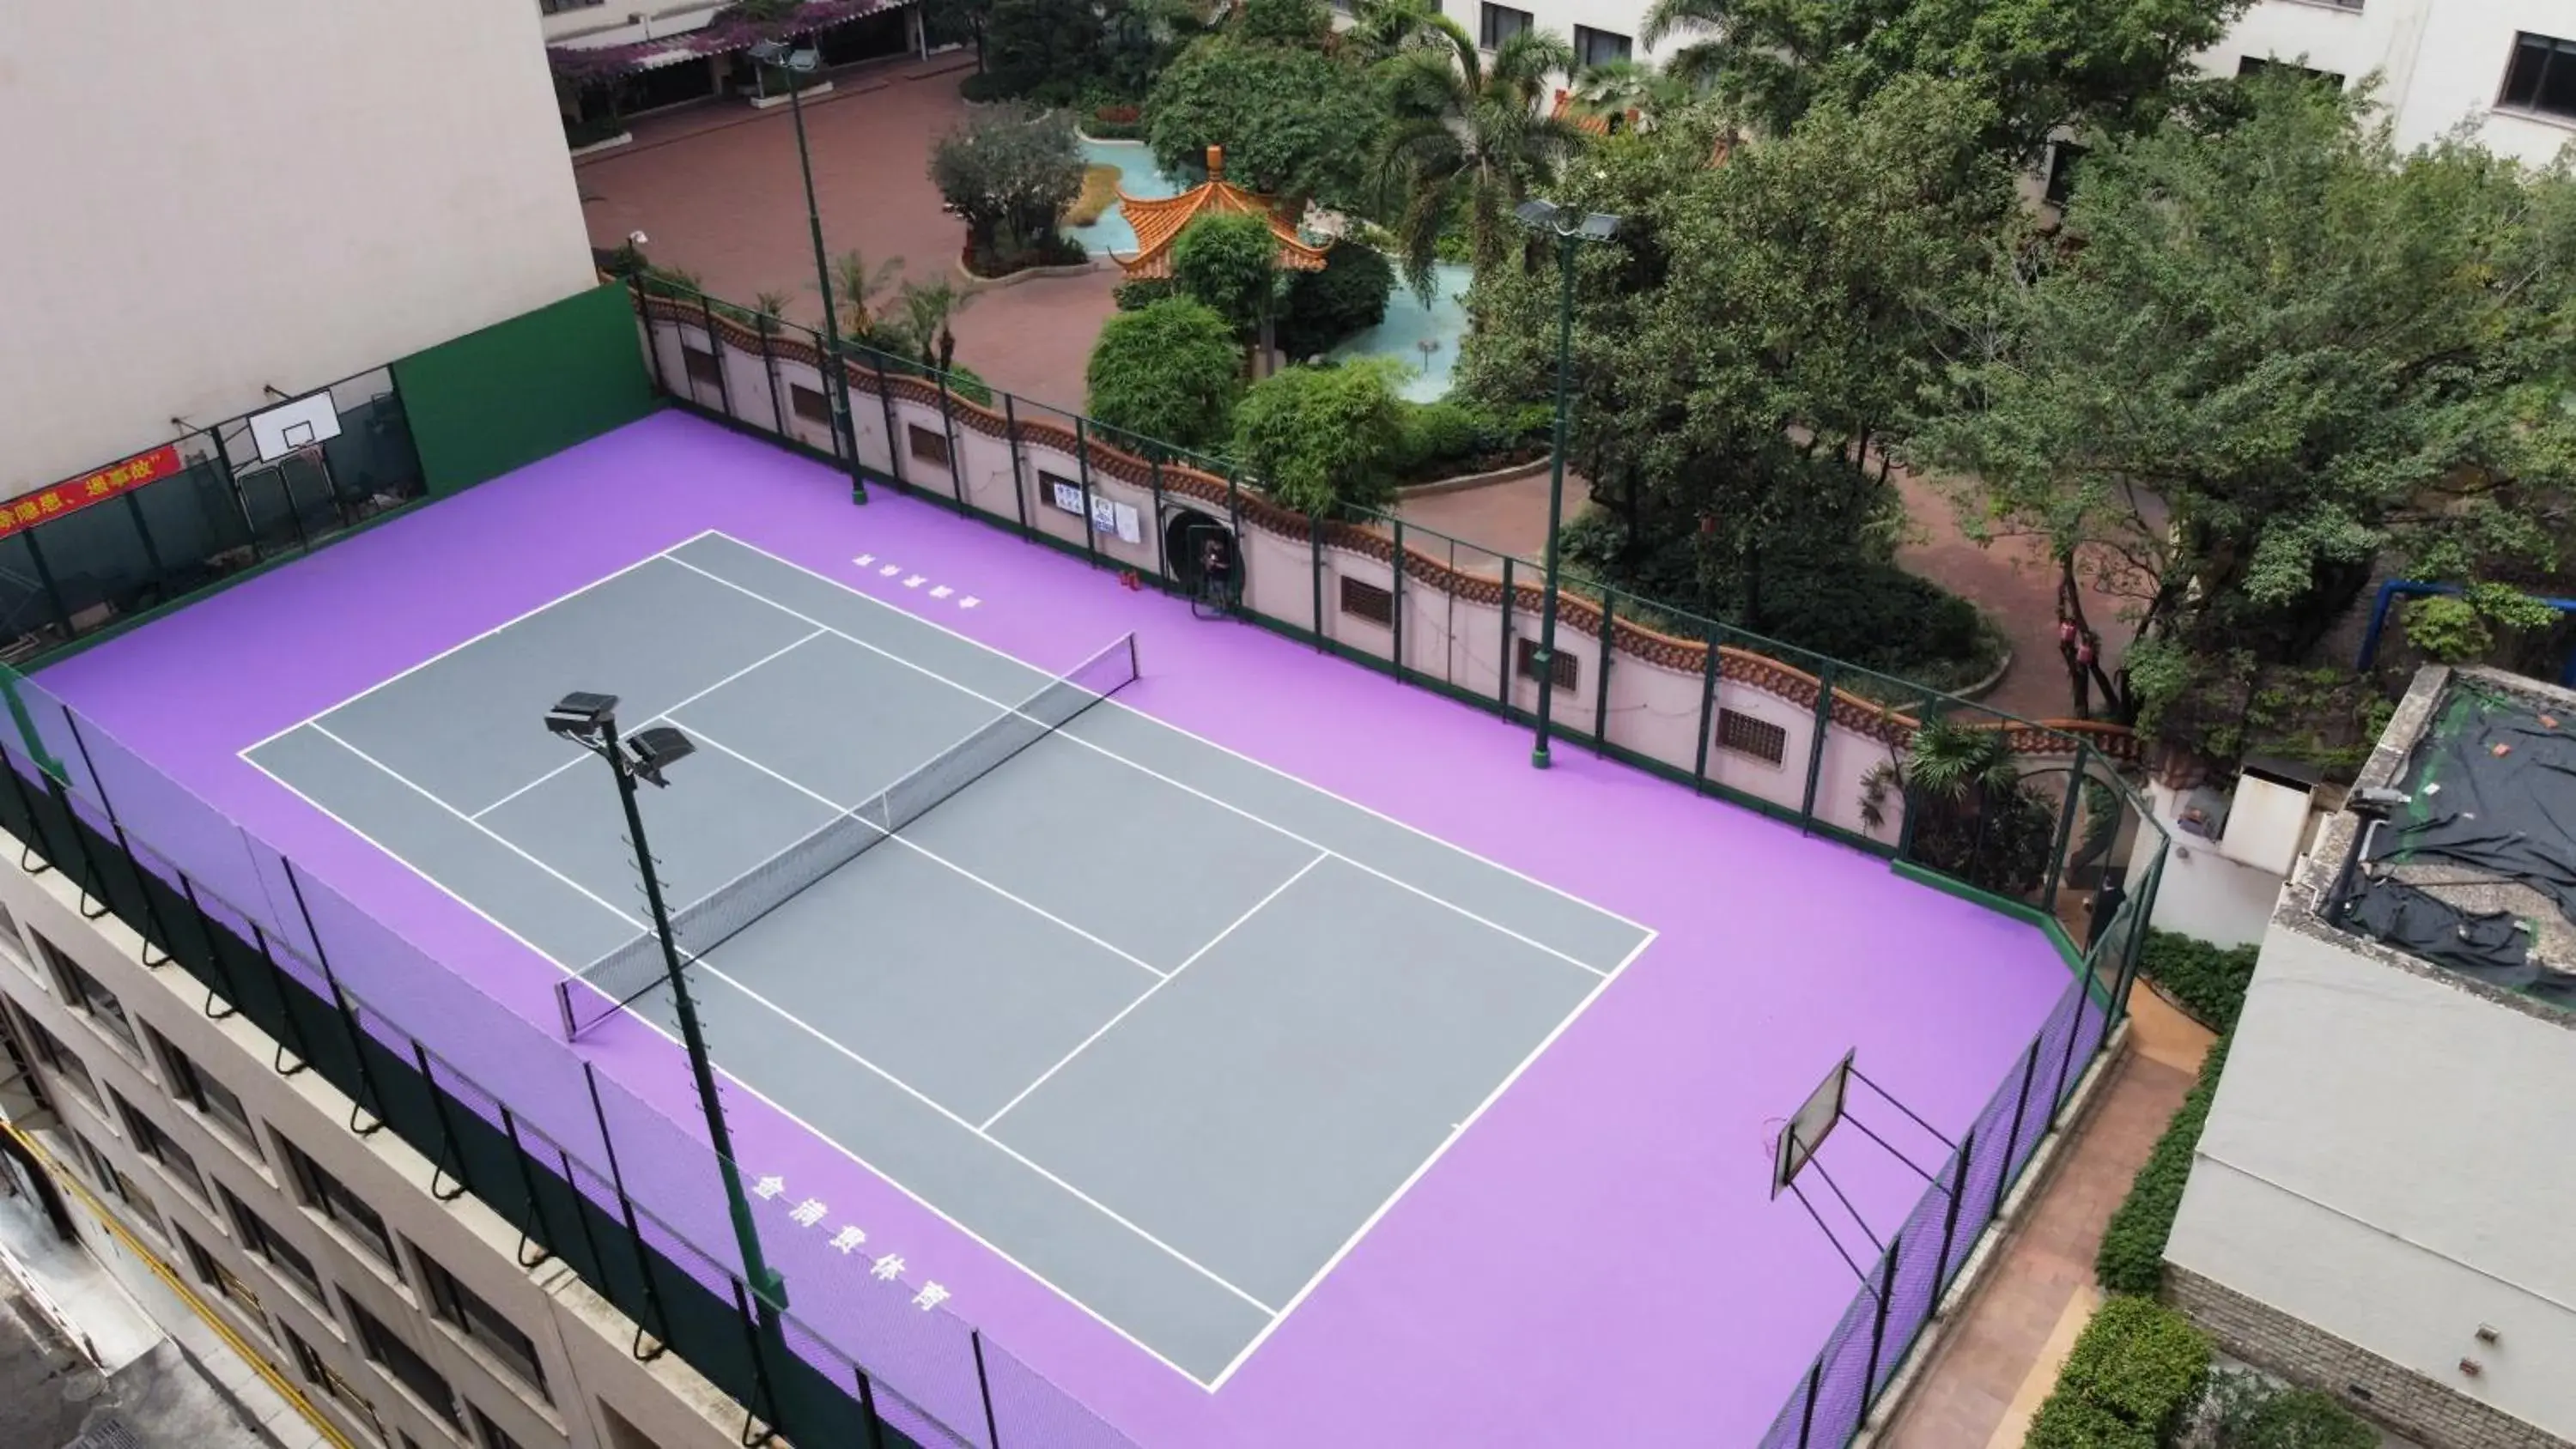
<point>1159,223</point>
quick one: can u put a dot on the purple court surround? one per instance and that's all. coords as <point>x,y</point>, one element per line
<point>1595,1260</point>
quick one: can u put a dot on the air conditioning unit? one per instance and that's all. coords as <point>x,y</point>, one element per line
<point>2267,819</point>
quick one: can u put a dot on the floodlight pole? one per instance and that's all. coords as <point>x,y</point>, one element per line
<point>1568,227</point>
<point>836,382</point>
<point>769,1289</point>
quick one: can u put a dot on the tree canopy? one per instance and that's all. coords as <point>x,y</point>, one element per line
<point>1295,121</point>
<point>1009,170</point>
<point>1167,372</point>
<point>1229,261</point>
<point>1318,437</point>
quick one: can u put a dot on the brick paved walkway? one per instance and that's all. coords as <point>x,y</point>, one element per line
<point>718,190</point>
<point>2002,1355</point>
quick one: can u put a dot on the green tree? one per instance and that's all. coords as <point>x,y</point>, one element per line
<point>2043,64</point>
<point>1229,261</point>
<point>1168,372</point>
<point>1969,812</point>
<point>1320,437</point>
<point>859,290</point>
<point>1349,295</point>
<point>1009,171</point>
<point>1295,122</point>
<point>1470,136</point>
<point>929,312</point>
<point>2281,350</point>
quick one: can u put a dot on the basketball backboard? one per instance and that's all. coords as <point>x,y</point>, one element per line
<point>303,422</point>
<point>1808,1126</point>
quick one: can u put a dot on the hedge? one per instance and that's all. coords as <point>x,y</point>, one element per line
<point>2134,1374</point>
<point>2209,981</point>
<point>2132,1256</point>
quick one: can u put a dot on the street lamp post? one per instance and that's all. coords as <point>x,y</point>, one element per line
<point>590,721</point>
<point>836,382</point>
<point>1568,227</point>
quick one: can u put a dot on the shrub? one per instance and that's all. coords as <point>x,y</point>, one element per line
<point>2208,980</point>
<point>1230,262</point>
<point>1322,436</point>
<point>1009,172</point>
<point>1138,295</point>
<point>1099,190</point>
<point>2135,1372</point>
<point>1169,371</point>
<point>2131,1258</point>
<point>2244,1410</point>
<point>1348,296</point>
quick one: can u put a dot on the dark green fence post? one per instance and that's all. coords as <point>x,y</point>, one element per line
<point>370,1097</point>
<point>1707,706</point>
<point>992,1431</point>
<point>1807,1415</point>
<point>715,349</point>
<point>652,357</point>
<point>2065,826</point>
<point>1503,657</point>
<point>2075,1032</point>
<point>2021,1105</point>
<point>1816,750</point>
<point>53,593</point>
<point>1601,677</point>
<point>290,1032</point>
<point>1162,565</point>
<point>143,531</point>
<point>763,1390</point>
<point>769,370</point>
<point>152,925</point>
<point>1878,1327</point>
<point>948,429</point>
<point>661,1324</point>
<point>1395,595</point>
<point>1950,1217</point>
<point>1019,470</point>
<point>885,405</point>
<point>1082,471</point>
<point>536,1211</point>
<point>1315,569</point>
<point>581,1220</point>
<point>447,1148</point>
<point>214,954</point>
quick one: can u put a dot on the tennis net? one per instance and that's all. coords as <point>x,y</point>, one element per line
<point>635,967</point>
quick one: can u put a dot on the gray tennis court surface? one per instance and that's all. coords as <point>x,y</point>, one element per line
<point>1165,1026</point>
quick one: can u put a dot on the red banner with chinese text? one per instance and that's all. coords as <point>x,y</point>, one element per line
<point>45,504</point>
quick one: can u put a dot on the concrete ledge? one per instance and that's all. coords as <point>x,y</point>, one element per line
<point>622,138</point>
<point>762,103</point>
<point>1999,1235</point>
<point>1517,472</point>
<point>970,282</point>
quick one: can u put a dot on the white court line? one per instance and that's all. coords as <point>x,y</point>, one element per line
<point>1424,1170</point>
<point>704,967</point>
<point>579,755</point>
<point>1361,865</point>
<point>840,809</point>
<point>808,1128</point>
<point>1103,1030</point>
<point>1263,765</point>
<point>245,750</point>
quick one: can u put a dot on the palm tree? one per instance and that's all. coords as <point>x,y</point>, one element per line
<point>1469,135</point>
<point>1626,93</point>
<point>1698,63</point>
<point>768,309</point>
<point>928,310</point>
<point>1972,813</point>
<point>857,287</point>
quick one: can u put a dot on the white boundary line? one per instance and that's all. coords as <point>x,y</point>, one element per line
<point>245,750</point>
<point>1085,1043</point>
<point>1263,765</point>
<point>928,673</point>
<point>704,967</point>
<point>808,1128</point>
<point>1320,1274</point>
<point>578,755</point>
<point>926,852</point>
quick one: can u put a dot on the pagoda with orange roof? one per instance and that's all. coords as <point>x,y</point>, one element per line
<point>1159,223</point>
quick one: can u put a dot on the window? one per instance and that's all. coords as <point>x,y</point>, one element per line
<point>222,1279</point>
<point>1499,23</point>
<point>1747,735</point>
<point>1563,667</point>
<point>322,1376</point>
<point>277,1252</point>
<point>1364,600</point>
<point>558,7</point>
<point>2542,76</point>
<point>928,446</point>
<point>489,1433</point>
<point>1598,47</point>
<point>2063,158</point>
<point>156,1144</point>
<point>2256,65</point>
<point>50,1050</point>
<point>808,404</point>
<point>701,365</point>
<point>190,1084</point>
<point>483,1323</point>
<point>331,1198</point>
<point>86,993</point>
<point>407,1367</point>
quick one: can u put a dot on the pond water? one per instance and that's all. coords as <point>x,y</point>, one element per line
<point>1423,338</point>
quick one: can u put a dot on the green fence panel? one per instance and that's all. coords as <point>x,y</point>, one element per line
<point>524,389</point>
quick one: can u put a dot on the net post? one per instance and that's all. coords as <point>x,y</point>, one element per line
<point>1601,674</point>
<point>715,349</point>
<point>1950,1215</point>
<point>1503,656</point>
<point>1816,747</point>
<point>1707,705</point>
<point>1082,469</point>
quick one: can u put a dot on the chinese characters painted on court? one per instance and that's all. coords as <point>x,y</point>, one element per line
<point>847,1239</point>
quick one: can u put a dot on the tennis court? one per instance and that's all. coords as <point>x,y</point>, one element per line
<point>1164,1026</point>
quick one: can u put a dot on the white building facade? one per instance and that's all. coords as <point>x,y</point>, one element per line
<point>299,192</point>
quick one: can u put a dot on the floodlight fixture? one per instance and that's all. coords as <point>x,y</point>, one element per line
<point>657,749</point>
<point>582,715</point>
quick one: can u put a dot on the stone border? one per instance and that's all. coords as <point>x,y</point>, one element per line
<point>763,103</point>
<point>1464,481</point>
<point>622,138</point>
<point>2001,1231</point>
<point>969,282</point>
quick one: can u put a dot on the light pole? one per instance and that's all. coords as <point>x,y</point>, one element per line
<point>590,721</point>
<point>836,382</point>
<point>1568,227</point>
